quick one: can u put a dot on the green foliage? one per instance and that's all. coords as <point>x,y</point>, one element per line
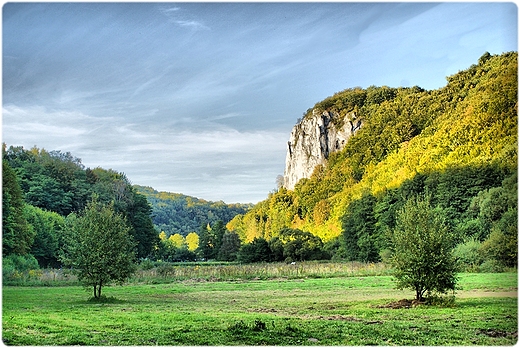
<point>57,182</point>
<point>230,246</point>
<point>17,236</point>
<point>173,249</point>
<point>138,213</point>
<point>98,246</point>
<point>48,228</point>
<point>468,255</point>
<point>18,269</point>
<point>54,181</point>
<point>502,246</point>
<point>256,251</point>
<point>176,213</point>
<point>299,245</point>
<point>359,237</point>
<point>422,246</point>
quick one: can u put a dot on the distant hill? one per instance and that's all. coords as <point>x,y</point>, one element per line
<point>178,213</point>
<point>378,146</point>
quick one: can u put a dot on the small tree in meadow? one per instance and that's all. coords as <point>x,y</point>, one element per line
<point>422,244</point>
<point>98,246</point>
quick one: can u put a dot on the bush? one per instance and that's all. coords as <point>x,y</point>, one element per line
<point>468,256</point>
<point>502,243</point>
<point>491,266</point>
<point>147,264</point>
<point>19,268</point>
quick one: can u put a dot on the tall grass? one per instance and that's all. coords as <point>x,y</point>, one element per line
<point>259,271</point>
<point>165,272</point>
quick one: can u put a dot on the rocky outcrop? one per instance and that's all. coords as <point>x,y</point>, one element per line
<point>313,139</point>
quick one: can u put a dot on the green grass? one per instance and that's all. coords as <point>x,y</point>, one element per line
<point>313,311</point>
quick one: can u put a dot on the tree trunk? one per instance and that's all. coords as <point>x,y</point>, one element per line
<point>419,291</point>
<point>97,289</point>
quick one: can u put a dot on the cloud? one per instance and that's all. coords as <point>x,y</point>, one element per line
<point>170,9</point>
<point>216,164</point>
<point>177,16</point>
<point>191,24</point>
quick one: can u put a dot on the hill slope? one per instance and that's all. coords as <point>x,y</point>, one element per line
<point>454,143</point>
<point>177,213</point>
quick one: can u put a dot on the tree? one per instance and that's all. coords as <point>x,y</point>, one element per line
<point>177,240</point>
<point>256,251</point>
<point>48,227</point>
<point>192,240</point>
<point>218,229</point>
<point>138,214</point>
<point>422,244</point>
<point>502,243</point>
<point>359,233</point>
<point>300,245</point>
<point>230,246</point>
<point>17,236</point>
<point>206,242</point>
<point>162,236</point>
<point>98,246</point>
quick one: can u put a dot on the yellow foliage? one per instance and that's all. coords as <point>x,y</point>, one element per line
<point>470,122</point>
<point>177,240</point>
<point>192,240</point>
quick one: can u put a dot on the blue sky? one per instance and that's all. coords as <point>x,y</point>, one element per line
<point>200,98</point>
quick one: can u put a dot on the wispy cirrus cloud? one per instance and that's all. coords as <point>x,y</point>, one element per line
<point>181,18</point>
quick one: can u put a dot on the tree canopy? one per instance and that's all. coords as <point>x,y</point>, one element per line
<point>422,249</point>
<point>98,246</point>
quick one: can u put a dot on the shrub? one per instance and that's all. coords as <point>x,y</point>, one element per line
<point>16,268</point>
<point>468,255</point>
<point>491,266</point>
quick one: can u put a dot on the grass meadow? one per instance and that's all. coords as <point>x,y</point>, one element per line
<point>321,310</point>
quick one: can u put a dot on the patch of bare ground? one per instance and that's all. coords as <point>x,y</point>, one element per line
<point>480,293</point>
<point>404,303</point>
<point>262,310</point>
<point>497,333</point>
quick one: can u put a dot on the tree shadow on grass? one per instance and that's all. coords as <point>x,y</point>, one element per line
<point>105,299</point>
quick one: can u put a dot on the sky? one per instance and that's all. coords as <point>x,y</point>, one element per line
<point>200,98</point>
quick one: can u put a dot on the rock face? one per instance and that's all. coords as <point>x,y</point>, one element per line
<point>313,140</point>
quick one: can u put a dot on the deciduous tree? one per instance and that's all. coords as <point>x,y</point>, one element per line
<point>98,246</point>
<point>422,244</point>
<point>192,240</point>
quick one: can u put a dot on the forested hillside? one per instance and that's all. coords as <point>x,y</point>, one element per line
<point>41,188</point>
<point>456,145</point>
<point>175,213</point>
<point>44,190</point>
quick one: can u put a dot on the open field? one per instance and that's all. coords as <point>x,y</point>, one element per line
<point>312,311</point>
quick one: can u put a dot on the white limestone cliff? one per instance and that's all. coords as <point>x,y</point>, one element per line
<point>313,139</point>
